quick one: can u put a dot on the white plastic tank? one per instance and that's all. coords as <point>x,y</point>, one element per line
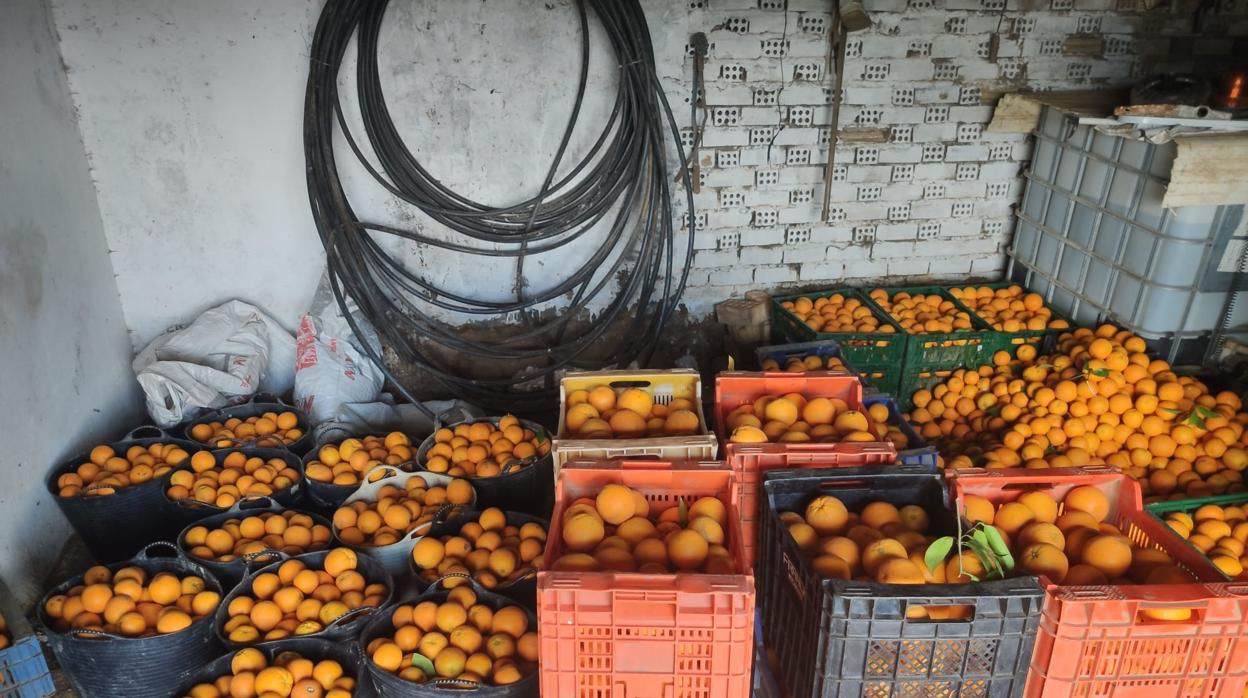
<point>1093,237</point>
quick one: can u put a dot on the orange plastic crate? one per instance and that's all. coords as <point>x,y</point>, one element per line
<point>605,635</point>
<point>1094,641</point>
<point>750,461</point>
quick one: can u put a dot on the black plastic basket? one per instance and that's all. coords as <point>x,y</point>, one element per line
<point>184,512</point>
<point>346,654</point>
<point>325,497</point>
<point>103,665</point>
<point>388,684</point>
<point>528,490</point>
<point>116,526</point>
<point>852,638</point>
<point>257,405</point>
<point>231,573</point>
<point>344,627</point>
<point>523,589</point>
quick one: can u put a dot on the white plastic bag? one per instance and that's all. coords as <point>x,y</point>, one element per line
<point>331,368</point>
<point>225,355</point>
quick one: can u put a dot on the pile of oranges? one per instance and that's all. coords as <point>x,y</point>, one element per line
<point>458,638</point>
<point>1009,309</point>
<point>270,429</point>
<point>880,543</point>
<point>299,600</point>
<point>235,477</point>
<point>105,471</point>
<point>1069,542</point>
<point>617,531</point>
<point>291,675</point>
<point>346,463</point>
<point>1220,532</point>
<point>601,413</point>
<point>795,364</point>
<point>491,549</point>
<point>397,511</point>
<point>130,603</point>
<point>794,418</point>
<point>921,313</point>
<point>291,532</point>
<point>481,449</point>
<point>1099,399</point>
<point>836,313</point>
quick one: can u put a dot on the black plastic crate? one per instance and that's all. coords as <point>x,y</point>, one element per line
<point>851,638</point>
<point>919,451</point>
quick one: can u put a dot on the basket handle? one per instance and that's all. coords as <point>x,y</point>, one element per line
<point>529,574</point>
<point>144,553</point>
<point>194,504</point>
<point>254,502</point>
<point>439,582</point>
<point>146,431</point>
<point>266,398</point>
<point>267,554</point>
<point>459,684</point>
<point>357,612</point>
<point>93,634</point>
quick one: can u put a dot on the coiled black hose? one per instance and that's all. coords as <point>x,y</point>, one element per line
<point>622,182</point>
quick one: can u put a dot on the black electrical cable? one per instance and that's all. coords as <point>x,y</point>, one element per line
<point>621,183</point>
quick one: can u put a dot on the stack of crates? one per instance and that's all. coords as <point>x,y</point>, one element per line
<point>750,461</point>
<point>645,634</point>
<point>899,363</point>
<point>1020,636</point>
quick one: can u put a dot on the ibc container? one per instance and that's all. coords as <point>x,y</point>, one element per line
<point>688,635</point>
<point>1094,239</point>
<point>1101,640</point>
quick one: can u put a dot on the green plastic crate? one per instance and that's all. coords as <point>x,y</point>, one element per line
<point>1158,510</point>
<point>876,356</point>
<point>1044,339</point>
<point>941,350</point>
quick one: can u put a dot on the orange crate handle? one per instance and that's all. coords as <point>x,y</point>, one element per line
<point>818,453</point>
<point>1033,476</point>
<point>641,462</point>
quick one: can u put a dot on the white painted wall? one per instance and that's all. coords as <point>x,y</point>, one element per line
<point>191,115</point>
<point>66,381</point>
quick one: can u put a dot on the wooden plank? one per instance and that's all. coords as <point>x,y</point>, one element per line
<point>1209,170</point>
<point>1019,112</point>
